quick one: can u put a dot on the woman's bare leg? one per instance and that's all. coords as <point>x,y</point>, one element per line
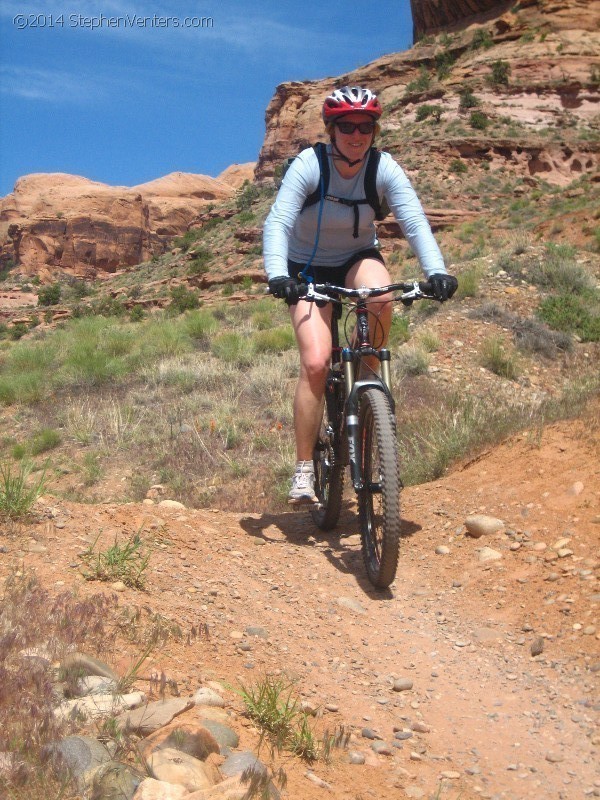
<point>313,334</point>
<point>371,273</point>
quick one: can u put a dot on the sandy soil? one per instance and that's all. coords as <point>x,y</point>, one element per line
<point>495,721</point>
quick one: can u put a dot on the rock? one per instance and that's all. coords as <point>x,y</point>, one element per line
<point>152,716</point>
<point>80,664</point>
<point>98,705</point>
<point>381,748</point>
<point>403,735</point>
<point>223,734</point>
<point>95,684</point>
<point>173,504</point>
<point>173,766</point>
<point>402,685</point>
<point>554,757</point>
<point>77,755</point>
<point>151,789</point>
<point>589,630</point>
<point>414,792</point>
<point>369,733</point>
<point>118,586</point>
<point>356,757</point>
<point>229,789</point>
<point>420,727</point>
<point>189,737</point>
<point>478,525</point>
<point>208,697</point>
<point>237,763</point>
<point>257,630</point>
<point>442,550</point>
<point>450,775</point>
<point>351,605</point>
<point>114,781</point>
<point>576,489</point>
<point>488,554</point>
<point>318,781</point>
<point>537,646</point>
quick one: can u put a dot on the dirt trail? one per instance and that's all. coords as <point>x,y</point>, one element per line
<point>493,721</point>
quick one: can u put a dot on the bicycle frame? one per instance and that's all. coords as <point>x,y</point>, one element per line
<point>350,358</point>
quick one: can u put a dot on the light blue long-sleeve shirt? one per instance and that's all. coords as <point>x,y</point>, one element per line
<point>289,234</point>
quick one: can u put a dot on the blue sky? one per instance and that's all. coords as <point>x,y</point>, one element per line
<point>128,104</point>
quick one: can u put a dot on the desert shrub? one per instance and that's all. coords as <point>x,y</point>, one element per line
<point>421,83</point>
<point>495,356</point>
<point>188,238</point>
<point>247,194</point>
<point>200,325</point>
<point>233,348</point>
<point>137,314</point>
<point>428,110</point>
<point>443,63</point>
<point>274,340</point>
<point>17,331</point>
<point>413,361</point>
<point>44,440</point>
<point>49,295</point>
<point>17,492</point>
<point>183,299</point>
<point>200,261</point>
<point>108,307</point>
<point>458,166</point>
<point>500,73</point>
<point>570,313</point>
<point>467,99</point>
<point>481,39</point>
<point>479,120</point>
<point>468,283</point>
<point>399,332</point>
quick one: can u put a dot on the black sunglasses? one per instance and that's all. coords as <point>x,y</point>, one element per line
<point>350,127</point>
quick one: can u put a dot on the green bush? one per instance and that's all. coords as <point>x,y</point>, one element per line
<point>44,440</point>
<point>17,494</point>
<point>572,314</point>
<point>200,261</point>
<point>17,330</point>
<point>498,359</point>
<point>479,120</point>
<point>458,166</point>
<point>183,299</point>
<point>247,194</point>
<point>108,307</point>
<point>421,83</point>
<point>275,340</point>
<point>232,348</point>
<point>399,332</point>
<point>200,325</point>
<point>137,314</point>
<point>481,39</point>
<point>49,295</point>
<point>467,99</point>
<point>500,73</point>
<point>427,110</point>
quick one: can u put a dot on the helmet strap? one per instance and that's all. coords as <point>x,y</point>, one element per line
<point>339,156</point>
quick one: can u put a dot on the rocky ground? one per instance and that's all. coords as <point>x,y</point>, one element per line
<point>475,676</point>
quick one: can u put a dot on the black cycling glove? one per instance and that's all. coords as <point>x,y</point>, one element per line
<point>442,286</point>
<point>287,289</point>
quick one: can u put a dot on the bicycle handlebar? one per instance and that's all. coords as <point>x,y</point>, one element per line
<point>411,290</point>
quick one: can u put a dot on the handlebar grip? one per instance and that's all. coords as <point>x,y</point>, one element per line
<point>425,287</point>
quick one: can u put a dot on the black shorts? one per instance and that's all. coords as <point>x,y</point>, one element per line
<point>334,275</point>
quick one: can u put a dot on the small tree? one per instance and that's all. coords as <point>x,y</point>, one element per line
<point>49,295</point>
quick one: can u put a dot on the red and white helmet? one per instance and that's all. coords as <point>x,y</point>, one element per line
<point>348,99</point>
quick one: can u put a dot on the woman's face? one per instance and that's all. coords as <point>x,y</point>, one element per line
<point>353,145</point>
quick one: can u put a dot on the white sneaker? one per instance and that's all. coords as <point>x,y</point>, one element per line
<point>303,484</point>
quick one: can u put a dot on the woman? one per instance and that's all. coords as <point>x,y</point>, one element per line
<point>338,242</point>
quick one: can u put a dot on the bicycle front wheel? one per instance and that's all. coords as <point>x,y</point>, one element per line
<point>379,499</point>
<point>329,469</point>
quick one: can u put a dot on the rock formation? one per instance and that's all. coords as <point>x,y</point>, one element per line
<point>432,16</point>
<point>64,222</point>
<point>552,50</point>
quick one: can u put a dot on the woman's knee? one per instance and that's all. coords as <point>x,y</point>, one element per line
<point>314,365</point>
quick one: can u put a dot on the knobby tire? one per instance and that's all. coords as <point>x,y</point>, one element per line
<point>379,500</point>
<point>329,466</point>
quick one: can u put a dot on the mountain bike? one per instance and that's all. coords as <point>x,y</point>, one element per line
<point>359,427</point>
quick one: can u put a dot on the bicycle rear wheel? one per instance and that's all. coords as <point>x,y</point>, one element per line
<point>329,467</point>
<point>379,500</point>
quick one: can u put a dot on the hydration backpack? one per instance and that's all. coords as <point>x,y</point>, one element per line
<point>381,209</point>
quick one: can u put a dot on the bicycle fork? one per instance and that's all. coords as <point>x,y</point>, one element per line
<point>354,390</point>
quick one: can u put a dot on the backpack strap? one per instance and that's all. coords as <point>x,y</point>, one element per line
<point>371,183</point>
<point>321,153</point>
